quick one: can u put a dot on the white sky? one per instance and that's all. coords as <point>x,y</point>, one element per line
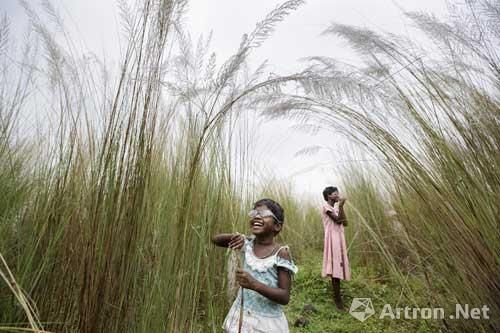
<point>96,23</point>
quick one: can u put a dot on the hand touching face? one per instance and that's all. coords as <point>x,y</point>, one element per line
<point>334,196</point>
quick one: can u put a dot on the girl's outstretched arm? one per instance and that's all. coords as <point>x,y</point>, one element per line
<point>280,295</point>
<point>233,241</point>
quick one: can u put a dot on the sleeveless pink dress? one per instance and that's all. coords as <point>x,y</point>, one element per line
<point>335,261</point>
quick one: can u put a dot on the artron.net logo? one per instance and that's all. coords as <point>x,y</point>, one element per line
<point>361,308</point>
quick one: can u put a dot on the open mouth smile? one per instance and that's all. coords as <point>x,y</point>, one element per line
<point>257,224</point>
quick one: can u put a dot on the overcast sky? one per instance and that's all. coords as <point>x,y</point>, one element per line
<point>96,23</point>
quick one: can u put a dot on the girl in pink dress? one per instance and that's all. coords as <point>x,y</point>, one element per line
<point>335,261</point>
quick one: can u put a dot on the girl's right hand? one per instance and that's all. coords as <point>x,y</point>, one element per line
<point>237,241</point>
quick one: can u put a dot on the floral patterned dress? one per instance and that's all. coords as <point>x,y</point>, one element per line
<point>260,314</point>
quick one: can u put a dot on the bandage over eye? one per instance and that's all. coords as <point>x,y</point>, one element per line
<point>263,213</point>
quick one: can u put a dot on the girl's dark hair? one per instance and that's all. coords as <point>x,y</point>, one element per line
<point>329,190</point>
<point>274,207</point>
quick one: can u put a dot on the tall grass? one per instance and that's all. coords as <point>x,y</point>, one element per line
<point>106,224</point>
<point>108,227</point>
<point>432,116</point>
<point>365,208</point>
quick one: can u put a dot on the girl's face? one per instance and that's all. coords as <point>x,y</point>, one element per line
<point>334,196</point>
<point>264,225</point>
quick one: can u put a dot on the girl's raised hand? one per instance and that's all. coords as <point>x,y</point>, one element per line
<point>237,241</point>
<point>245,279</point>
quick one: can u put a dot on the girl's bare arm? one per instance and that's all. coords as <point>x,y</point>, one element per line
<point>334,217</point>
<point>340,218</point>
<point>280,295</point>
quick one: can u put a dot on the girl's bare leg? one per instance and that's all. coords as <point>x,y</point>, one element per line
<point>336,294</point>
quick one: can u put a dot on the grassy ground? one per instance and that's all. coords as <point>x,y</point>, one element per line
<point>310,288</point>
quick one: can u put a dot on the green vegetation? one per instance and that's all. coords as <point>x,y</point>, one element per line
<point>310,288</point>
<point>431,117</point>
<point>107,209</point>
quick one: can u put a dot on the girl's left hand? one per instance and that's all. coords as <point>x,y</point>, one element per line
<point>245,279</point>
